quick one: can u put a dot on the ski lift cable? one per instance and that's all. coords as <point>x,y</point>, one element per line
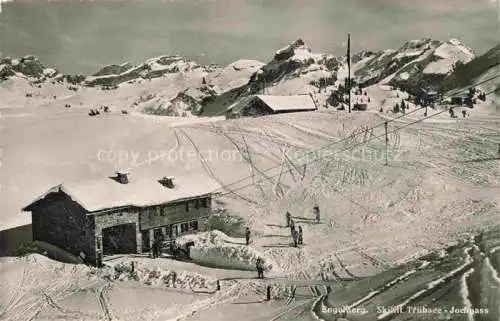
<point>350,137</point>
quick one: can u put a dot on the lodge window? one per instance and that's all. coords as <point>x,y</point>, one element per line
<point>187,206</point>
<point>163,211</point>
<point>193,225</point>
<point>184,227</point>
<point>197,204</point>
<point>206,202</point>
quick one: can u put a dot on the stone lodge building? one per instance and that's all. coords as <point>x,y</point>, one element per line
<point>115,215</point>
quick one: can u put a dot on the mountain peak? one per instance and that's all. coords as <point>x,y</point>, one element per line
<point>289,50</point>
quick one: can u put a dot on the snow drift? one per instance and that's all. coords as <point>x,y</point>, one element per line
<point>149,275</point>
<point>216,249</point>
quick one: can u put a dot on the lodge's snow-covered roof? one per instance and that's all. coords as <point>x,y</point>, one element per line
<point>298,102</point>
<point>97,195</point>
<point>279,103</point>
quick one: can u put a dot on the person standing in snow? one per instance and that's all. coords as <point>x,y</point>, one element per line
<point>158,248</point>
<point>247,235</point>
<point>260,269</point>
<point>288,218</point>
<point>174,278</point>
<point>292,226</point>
<point>317,213</point>
<point>153,249</point>
<point>295,237</point>
<point>300,241</point>
<point>173,247</point>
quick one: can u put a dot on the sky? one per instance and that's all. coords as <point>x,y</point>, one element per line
<point>78,36</point>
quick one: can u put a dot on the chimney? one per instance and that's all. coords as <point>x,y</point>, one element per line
<point>167,181</point>
<point>122,177</point>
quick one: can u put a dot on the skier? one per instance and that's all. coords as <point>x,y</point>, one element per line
<point>294,237</point>
<point>158,248</point>
<point>292,226</point>
<point>247,235</point>
<point>153,249</point>
<point>316,213</point>
<point>260,269</point>
<point>300,240</point>
<point>174,249</point>
<point>174,278</point>
<point>288,218</point>
<point>452,113</point>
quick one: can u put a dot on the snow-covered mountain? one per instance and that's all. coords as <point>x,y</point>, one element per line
<point>294,70</point>
<point>478,70</point>
<point>177,86</point>
<point>416,64</point>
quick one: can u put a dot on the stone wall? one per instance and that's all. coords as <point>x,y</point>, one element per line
<point>60,221</point>
<point>114,218</point>
<point>168,214</point>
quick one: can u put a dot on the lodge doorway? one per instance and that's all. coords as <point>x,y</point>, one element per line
<point>119,239</point>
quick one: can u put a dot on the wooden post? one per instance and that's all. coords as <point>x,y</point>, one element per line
<point>349,68</point>
<point>386,144</point>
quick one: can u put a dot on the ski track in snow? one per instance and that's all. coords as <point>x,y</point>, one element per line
<point>493,250</point>
<point>494,273</point>
<point>431,285</point>
<point>388,285</point>
<point>464,293</point>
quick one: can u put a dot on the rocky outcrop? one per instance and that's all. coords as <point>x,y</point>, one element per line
<point>288,51</point>
<point>153,68</point>
<point>290,62</point>
<point>188,101</point>
<point>6,71</point>
<point>29,66</point>
<point>113,70</point>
